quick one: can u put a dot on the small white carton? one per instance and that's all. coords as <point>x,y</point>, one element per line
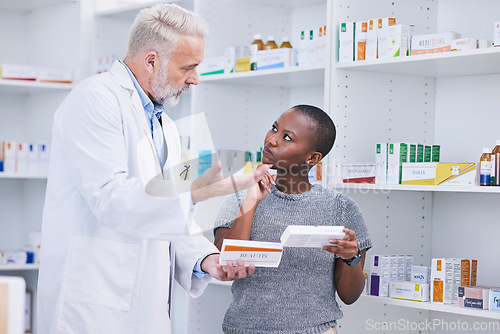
<point>383,25</point>
<point>371,40</point>
<point>310,236</point>
<point>214,65</point>
<point>420,274</point>
<point>418,292</point>
<point>464,44</point>
<point>276,58</point>
<point>19,72</point>
<point>346,42</point>
<point>260,254</point>
<point>433,43</point>
<point>397,41</point>
<point>379,277</point>
<point>396,156</point>
<point>381,163</point>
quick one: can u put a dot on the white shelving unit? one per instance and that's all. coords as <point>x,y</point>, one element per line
<point>37,33</point>
<point>436,98</point>
<point>446,308</point>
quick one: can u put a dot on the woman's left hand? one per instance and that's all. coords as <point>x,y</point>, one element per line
<point>346,248</point>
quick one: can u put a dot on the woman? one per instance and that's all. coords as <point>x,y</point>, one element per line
<point>299,295</point>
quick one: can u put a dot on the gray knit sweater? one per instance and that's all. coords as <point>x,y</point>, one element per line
<point>299,295</point>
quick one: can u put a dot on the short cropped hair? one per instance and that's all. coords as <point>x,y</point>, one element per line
<point>325,128</point>
<point>159,27</point>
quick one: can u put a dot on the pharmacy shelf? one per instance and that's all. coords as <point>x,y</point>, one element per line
<point>27,87</point>
<point>448,64</point>
<point>4,175</point>
<point>127,10</point>
<point>11,267</point>
<point>26,5</point>
<point>278,77</point>
<point>447,308</point>
<point>403,187</point>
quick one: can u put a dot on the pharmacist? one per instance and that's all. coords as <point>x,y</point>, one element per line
<point>106,257</point>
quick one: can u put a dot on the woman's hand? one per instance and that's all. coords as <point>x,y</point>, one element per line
<point>259,191</point>
<point>346,248</point>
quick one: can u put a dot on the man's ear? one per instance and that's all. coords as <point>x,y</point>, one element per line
<point>314,158</point>
<point>151,61</point>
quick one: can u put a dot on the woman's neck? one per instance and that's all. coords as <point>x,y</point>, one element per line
<point>292,184</point>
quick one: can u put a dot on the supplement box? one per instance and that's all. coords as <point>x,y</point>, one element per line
<point>464,44</point>
<point>475,296</point>
<point>55,74</point>
<point>276,58</point>
<point>12,304</point>
<point>496,34</point>
<point>494,300</point>
<point>420,274</point>
<point>371,40</point>
<point>433,43</point>
<point>310,236</point>
<point>360,40</point>
<point>381,163</point>
<point>442,281</point>
<point>379,277</point>
<point>461,275</point>
<point>437,173</point>
<point>261,254</point>
<point>366,290</point>
<point>383,26</point>
<point>346,42</point>
<point>358,173</point>
<point>397,41</point>
<point>418,292</point>
<point>215,65</point>
<point>396,157</point>
<point>19,72</point>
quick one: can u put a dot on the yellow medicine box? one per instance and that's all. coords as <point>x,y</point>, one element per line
<point>437,173</point>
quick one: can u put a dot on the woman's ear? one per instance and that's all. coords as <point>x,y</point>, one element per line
<point>314,158</point>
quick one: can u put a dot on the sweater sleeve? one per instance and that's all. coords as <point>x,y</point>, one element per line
<point>229,210</point>
<point>350,216</point>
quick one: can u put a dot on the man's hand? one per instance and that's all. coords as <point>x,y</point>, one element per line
<point>225,273</point>
<point>212,183</point>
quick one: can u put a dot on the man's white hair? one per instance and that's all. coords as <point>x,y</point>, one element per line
<point>158,28</point>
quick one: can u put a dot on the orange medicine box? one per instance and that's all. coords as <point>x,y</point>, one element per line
<point>261,254</point>
<point>442,281</point>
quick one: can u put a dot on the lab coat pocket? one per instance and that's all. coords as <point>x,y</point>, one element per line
<point>102,272</point>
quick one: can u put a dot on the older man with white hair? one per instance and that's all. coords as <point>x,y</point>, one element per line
<point>107,257</point>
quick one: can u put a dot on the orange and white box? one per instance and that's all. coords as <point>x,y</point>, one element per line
<point>442,281</point>
<point>361,30</point>
<point>461,275</point>
<point>371,40</point>
<point>19,72</point>
<point>383,36</point>
<point>261,254</point>
<point>433,43</point>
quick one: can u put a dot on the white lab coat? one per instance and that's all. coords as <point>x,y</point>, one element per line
<point>105,264</point>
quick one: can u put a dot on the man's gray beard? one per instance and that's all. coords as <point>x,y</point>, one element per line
<point>163,92</point>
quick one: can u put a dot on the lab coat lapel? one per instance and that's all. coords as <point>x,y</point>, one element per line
<point>123,78</point>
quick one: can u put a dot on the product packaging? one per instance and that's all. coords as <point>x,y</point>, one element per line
<point>312,46</point>
<point>381,163</point>
<point>496,34</point>
<point>435,153</point>
<point>19,72</point>
<point>433,43</point>
<point>464,44</point>
<point>461,275</point>
<point>321,49</point>
<point>383,36</point>
<point>494,300</point>
<point>22,158</point>
<point>397,154</point>
<point>9,156</point>
<point>418,292</point>
<point>360,40</point>
<point>215,65</point>
<point>358,173</point>
<point>55,75</point>
<point>261,254</point>
<point>379,276</point>
<point>475,296</point>
<point>397,41</point>
<point>303,52</point>
<point>276,58</point>
<point>439,173</point>
<point>427,153</point>
<point>371,40</point>
<point>310,236</point>
<point>442,281</point>
<point>346,42</point>
<point>420,274</point>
